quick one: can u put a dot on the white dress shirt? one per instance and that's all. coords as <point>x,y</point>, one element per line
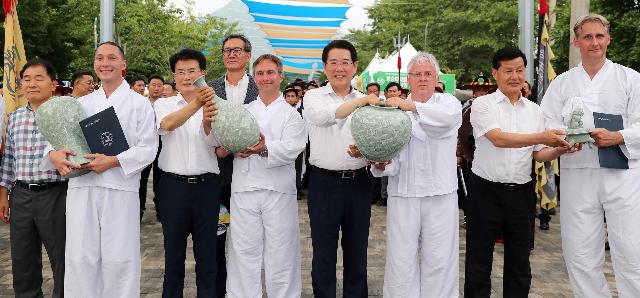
<point>236,94</point>
<point>184,150</point>
<point>426,166</point>
<point>614,90</point>
<point>285,137</point>
<point>329,137</point>
<point>137,119</point>
<point>504,165</point>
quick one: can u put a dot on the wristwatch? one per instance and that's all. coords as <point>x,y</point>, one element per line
<point>264,153</point>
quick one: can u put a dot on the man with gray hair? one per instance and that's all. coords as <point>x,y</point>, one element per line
<point>599,182</point>
<point>422,209</point>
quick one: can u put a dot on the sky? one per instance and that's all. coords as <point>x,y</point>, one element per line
<point>356,15</point>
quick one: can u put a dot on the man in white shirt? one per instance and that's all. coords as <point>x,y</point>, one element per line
<point>238,87</point>
<point>339,187</point>
<point>509,131</point>
<point>263,195</point>
<point>102,255</point>
<point>156,83</point>
<point>189,191</point>
<point>590,192</point>
<point>422,212</point>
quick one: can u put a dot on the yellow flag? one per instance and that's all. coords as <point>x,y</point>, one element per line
<point>14,58</point>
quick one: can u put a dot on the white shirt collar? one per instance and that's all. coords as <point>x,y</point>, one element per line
<point>498,96</point>
<point>328,90</point>
<point>244,80</point>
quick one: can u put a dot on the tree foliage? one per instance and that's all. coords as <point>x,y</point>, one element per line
<point>463,35</point>
<point>624,16</point>
<point>150,30</point>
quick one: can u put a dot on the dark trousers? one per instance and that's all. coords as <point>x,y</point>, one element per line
<point>142,191</point>
<point>376,189</point>
<point>189,208</point>
<point>37,218</point>
<point>225,199</point>
<point>464,182</point>
<point>298,166</point>
<point>493,208</point>
<point>339,204</point>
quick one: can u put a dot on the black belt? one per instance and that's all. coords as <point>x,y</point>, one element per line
<point>505,186</point>
<point>37,187</point>
<point>193,179</point>
<point>342,174</point>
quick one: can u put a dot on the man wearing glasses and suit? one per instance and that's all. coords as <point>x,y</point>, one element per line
<point>238,87</point>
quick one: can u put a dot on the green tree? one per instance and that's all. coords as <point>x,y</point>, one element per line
<point>463,35</point>
<point>151,30</point>
<point>624,16</point>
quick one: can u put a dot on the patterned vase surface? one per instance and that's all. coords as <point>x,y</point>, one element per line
<point>235,127</point>
<point>380,132</point>
<point>58,121</point>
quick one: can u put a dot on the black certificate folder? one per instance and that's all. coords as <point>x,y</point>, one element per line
<point>612,156</point>
<point>104,134</point>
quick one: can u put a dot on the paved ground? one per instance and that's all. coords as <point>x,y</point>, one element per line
<point>549,274</point>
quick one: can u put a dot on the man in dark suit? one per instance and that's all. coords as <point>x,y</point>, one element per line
<point>238,87</point>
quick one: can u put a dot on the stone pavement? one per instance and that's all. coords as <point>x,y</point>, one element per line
<point>549,274</point>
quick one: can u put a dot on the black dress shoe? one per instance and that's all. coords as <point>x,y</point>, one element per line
<point>544,225</point>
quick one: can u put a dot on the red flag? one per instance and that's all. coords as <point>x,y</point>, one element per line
<point>544,9</point>
<point>399,61</point>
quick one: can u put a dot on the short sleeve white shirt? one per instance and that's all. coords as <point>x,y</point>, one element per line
<point>504,165</point>
<point>184,150</point>
<point>330,137</point>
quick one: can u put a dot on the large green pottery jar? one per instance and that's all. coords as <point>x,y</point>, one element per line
<point>380,132</point>
<point>235,127</point>
<point>58,120</point>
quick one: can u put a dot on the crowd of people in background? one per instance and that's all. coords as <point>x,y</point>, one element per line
<point>476,156</point>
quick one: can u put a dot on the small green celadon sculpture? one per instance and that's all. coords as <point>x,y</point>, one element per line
<point>234,126</point>
<point>380,132</point>
<point>58,120</point>
<point>576,133</point>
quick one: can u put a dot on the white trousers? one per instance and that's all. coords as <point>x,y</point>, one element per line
<point>588,197</point>
<point>264,228</point>
<point>102,253</point>
<point>422,247</point>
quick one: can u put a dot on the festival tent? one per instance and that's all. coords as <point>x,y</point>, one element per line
<point>368,72</point>
<point>385,71</point>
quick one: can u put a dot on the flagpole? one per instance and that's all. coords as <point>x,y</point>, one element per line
<point>578,9</point>
<point>107,13</point>
<point>525,26</point>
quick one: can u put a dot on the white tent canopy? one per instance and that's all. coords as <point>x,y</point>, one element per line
<point>391,63</point>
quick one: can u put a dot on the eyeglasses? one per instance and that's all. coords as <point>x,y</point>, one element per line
<point>235,51</point>
<point>341,63</point>
<point>426,74</point>
<point>182,72</point>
